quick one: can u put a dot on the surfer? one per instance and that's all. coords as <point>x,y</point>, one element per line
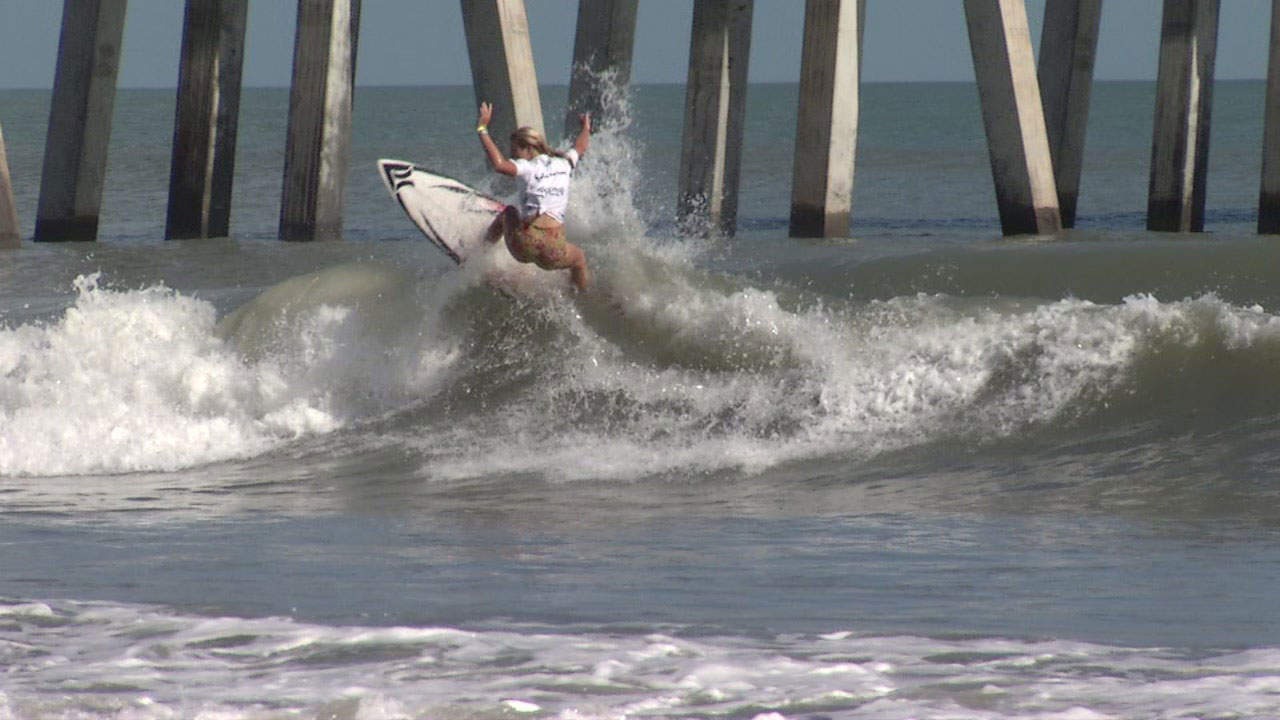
<point>535,230</point>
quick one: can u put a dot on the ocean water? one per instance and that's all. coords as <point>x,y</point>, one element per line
<point>922,471</point>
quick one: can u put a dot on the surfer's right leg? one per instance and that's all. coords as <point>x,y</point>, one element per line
<point>504,226</point>
<point>577,266</point>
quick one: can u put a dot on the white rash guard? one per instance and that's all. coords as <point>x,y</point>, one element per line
<point>544,184</point>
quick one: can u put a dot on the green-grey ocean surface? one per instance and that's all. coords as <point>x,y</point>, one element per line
<point>921,471</point>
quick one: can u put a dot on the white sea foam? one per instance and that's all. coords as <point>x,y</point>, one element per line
<point>135,380</point>
<point>110,661</point>
<point>139,380</point>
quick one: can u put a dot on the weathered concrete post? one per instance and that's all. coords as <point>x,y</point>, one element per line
<point>1184,98</point>
<point>827,120</point>
<point>1068,46</point>
<point>1269,196</point>
<point>602,50</point>
<point>714,109</point>
<point>206,119</point>
<point>1000,40</point>
<point>84,91</point>
<point>10,232</point>
<point>319,139</point>
<point>502,69</point>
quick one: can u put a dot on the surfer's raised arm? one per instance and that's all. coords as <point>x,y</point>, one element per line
<point>584,135</point>
<point>496,158</point>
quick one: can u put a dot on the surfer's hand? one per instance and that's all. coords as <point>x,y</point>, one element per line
<point>584,135</point>
<point>486,114</point>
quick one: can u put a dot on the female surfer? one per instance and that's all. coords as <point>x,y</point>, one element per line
<point>535,230</point>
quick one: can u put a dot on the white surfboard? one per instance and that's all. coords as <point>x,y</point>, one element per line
<point>450,214</point>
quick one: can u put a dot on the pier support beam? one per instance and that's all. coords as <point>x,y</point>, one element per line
<point>1004,63</point>
<point>1184,98</point>
<point>318,147</point>
<point>1269,196</point>
<point>715,103</point>
<point>602,51</point>
<point>827,119</point>
<point>502,69</point>
<point>1068,46</point>
<point>10,233</point>
<point>84,91</point>
<point>206,119</point>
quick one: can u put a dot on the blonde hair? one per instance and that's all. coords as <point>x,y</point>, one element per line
<point>527,137</point>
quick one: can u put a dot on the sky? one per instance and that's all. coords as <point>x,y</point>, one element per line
<point>420,42</point>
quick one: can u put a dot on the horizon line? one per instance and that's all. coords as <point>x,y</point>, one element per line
<point>376,86</point>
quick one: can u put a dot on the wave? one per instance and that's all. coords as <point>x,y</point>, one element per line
<point>678,363</point>
<point>144,380</point>
<point>666,369</point>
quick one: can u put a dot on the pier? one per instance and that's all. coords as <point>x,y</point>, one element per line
<point>1034,113</point>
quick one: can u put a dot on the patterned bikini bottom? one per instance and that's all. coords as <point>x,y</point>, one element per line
<point>540,240</point>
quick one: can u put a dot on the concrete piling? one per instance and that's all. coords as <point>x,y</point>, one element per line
<point>1000,40</point>
<point>827,119</point>
<point>1269,195</point>
<point>715,103</point>
<point>1184,99</point>
<point>318,146</point>
<point>206,119</point>
<point>502,68</point>
<point>602,49</point>
<point>10,231</point>
<point>84,90</point>
<point>1068,46</point>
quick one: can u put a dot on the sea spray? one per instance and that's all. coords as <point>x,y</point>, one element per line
<point>603,202</point>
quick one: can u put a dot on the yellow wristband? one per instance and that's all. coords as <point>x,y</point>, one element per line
<point>482,128</point>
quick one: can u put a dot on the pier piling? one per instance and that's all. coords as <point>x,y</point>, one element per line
<point>602,48</point>
<point>502,68</point>
<point>715,104</point>
<point>10,232</point>
<point>1068,46</point>
<point>1269,195</point>
<point>1003,61</point>
<point>84,90</point>
<point>827,118</point>
<point>318,146</point>
<point>1184,99</point>
<point>206,119</point>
